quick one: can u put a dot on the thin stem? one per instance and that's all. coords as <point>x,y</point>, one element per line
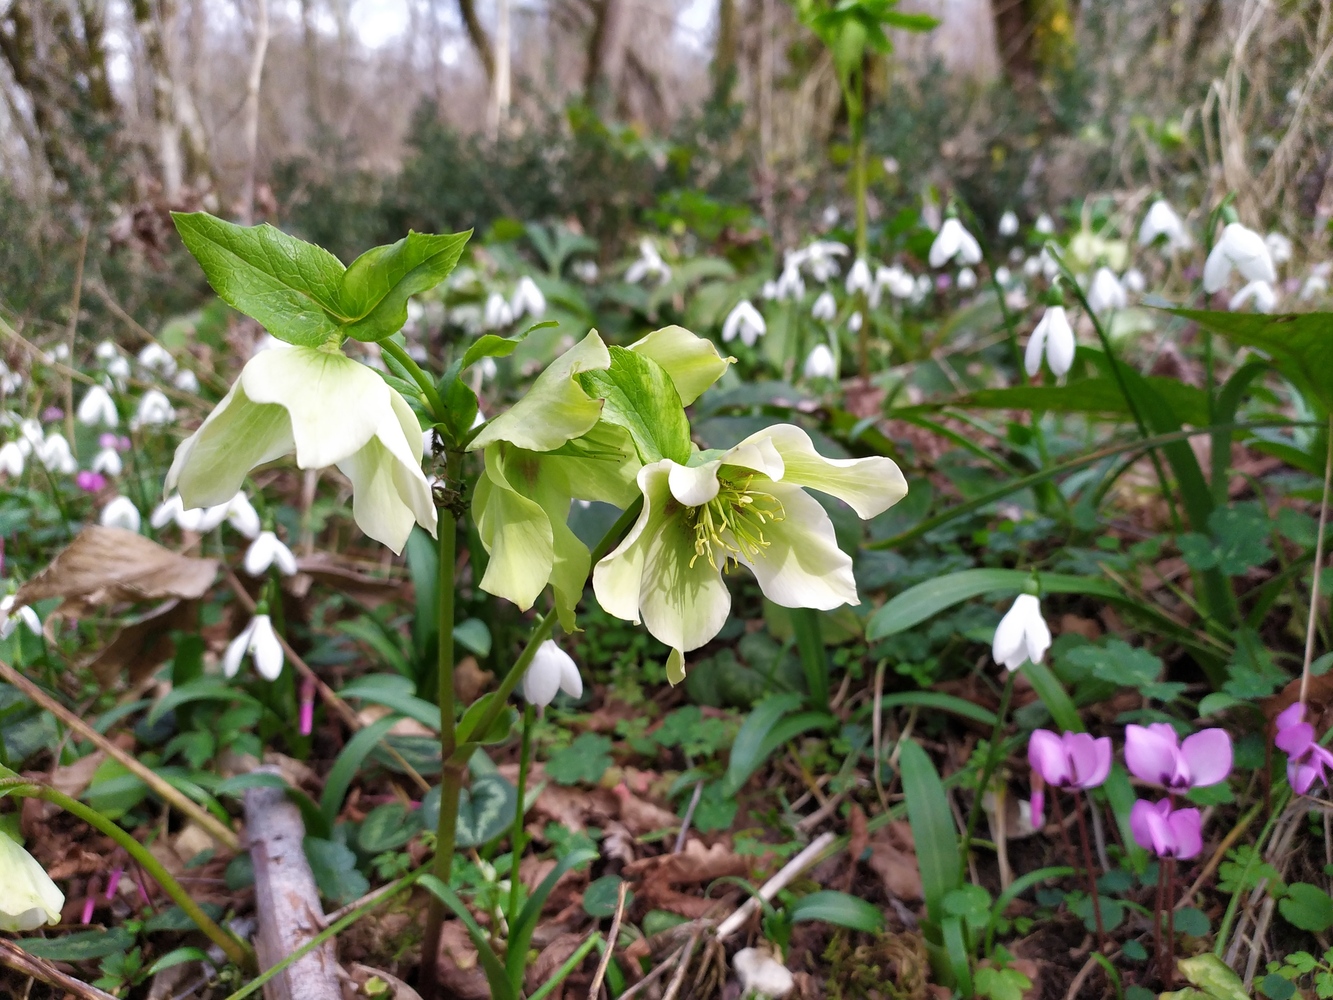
<point>1318,564</point>
<point>1087,864</point>
<point>516,835</point>
<point>992,761</point>
<point>1157,921</point>
<point>423,381</point>
<point>1059,811</point>
<point>1169,973</point>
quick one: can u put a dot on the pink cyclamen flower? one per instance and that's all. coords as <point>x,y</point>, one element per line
<point>1167,832</point>
<point>113,883</point>
<point>89,481</point>
<point>1307,761</point>
<point>1155,754</point>
<point>307,706</point>
<point>1070,760</point>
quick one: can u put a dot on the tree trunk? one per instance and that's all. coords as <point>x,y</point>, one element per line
<point>182,146</point>
<point>252,83</point>
<point>724,55</point>
<point>477,36</point>
<point>606,54</point>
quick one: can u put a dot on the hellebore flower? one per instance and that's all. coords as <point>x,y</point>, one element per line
<point>528,298</point>
<point>120,512</point>
<point>551,671</point>
<point>820,363</point>
<point>1307,760</point>
<point>330,410</point>
<point>97,407</point>
<point>259,640</point>
<point>1070,760</point>
<point>1055,336</point>
<point>650,263</point>
<point>10,617</point>
<point>1162,220</point>
<point>1106,293</point>
<point>1008,224</point>
<point>28,897</point>
<point>1166,832</point>
<point>858,277</point>
<point>825,307</point>
<point>268,550</point>
<point>154,410</point>
<point>744,321</point>
<point>1022,634</point>
<point>953,241</point>
<point>761,974</point>
<point>1263,294</point>
<point>1155,754</point>
<point>748,506</point>
<point>1237,249</point>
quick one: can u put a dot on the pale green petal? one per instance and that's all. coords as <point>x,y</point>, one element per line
<point>684,606</point>
<point>868,485</point>
<point>377,506</point>
<point>601,465</point>
<point>336,404</point>
<point>802,567</point>
<point>675,667</point>
<point>692,362</point>
<point>517,533</point>
<point>411,426</point>
<point>212,463</point>
<point>617,580</point>
<point>28,897</point>
<point>569,574</point>
<point>694,486</point>
<point>758,453</point>
<point>555,409</point>
<point>400,433</point>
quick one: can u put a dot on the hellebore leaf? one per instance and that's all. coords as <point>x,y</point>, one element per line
<point>640,397</point>
<point>377,285</point>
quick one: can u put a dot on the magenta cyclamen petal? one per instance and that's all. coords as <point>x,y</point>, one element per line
<point>1150,754</point>
<point>1207,757</point>
<point>1047,757</point>
<point>1037,806</point>
<point>1295,739</point>
<point>1090,759</point>
<point>1186,833</point>
<point>1148,826</point>
<point>1292,715</point>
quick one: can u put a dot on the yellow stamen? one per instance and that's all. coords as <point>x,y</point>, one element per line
<point>732,523</point>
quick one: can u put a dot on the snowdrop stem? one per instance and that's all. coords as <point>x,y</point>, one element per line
<point>517,839</point>
<point>1318,565</point>
<point>423,381</point>
<point>1088,869</point>
<point>859,149</point>
<point>992,761</point>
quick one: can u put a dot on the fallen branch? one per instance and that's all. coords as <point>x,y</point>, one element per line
<point>789,873</point>
<point>39,968</point>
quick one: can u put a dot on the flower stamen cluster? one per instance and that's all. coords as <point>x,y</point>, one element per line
<point>731,525</point>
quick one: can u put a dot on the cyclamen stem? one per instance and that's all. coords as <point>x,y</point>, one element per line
<point>1169,972</point>
<point>992,761</point>
<point>1087,864</point>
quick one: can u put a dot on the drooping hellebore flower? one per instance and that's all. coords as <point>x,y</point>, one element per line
<point>1307,760</point>
<point>1055,337</point>
<point>954,242</point>
<point>1237,249</point>
<point>28,897</point>
<point>330,410</point>
<point>748,506</point>
<point>1022,634</point>
<point>1070,760</point>
<point>1155,754</point>
<point>1167,832</point>
<point>551,671</point>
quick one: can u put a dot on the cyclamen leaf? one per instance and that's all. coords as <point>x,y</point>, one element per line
<point>377,285</point>
<point>640,397</point>
<point>485,810</point>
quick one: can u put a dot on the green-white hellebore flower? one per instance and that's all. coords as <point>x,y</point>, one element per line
<point>552,447</point>
<point>748,506</point>
<point>330,410</point>
<point>28,897</point>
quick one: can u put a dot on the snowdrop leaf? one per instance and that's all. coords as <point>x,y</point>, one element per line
<point>933,830</point>
<point>839,908</point>
<point>485,810</point>
<point>377,285</point>
<point>1092,395</point>
<point>291,287</point>
<point>640,397</point>
<point>82,946</point>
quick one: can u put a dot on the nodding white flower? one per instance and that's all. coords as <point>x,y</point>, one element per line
<point>1134,281</point>
<point>649,264</point>
<point>119,370</point>
<point>60,352</point>
<point>770,290</point>
<point>241,516</point>
<point>497,314</point>
<point>259,640</point>
<point>858,277</point>
<point>790,284</point>
<point>415,311</point>
<point>166,512</point>
<point>1049,268</point>
<point>31,434</point>
<point>330,410</point>
<point>11,459</point>
<point>1044,224</point>
<point>528,298</point>
<point>268,550</point>
<point>1316,284</point>
<point>107,462</point>
<point>744,321</point>
<point>761,974</point>
<point>967,279</point>
<point>1279,247</point>
<point>157,358</point>
<point>28,897</point>
<point>820,258</point>
<point>186,381</point>
<point>1265,298</point>
<point>923,287</point>
<point>105,351</point>
<point>551,671</point>
<point>825,307</point>
<point>120,512</point>
<point>820,363</point>
<point>55,455</point>
<point>1022,634</point>
<point>1032,266</point>
<point>154,410</point>
<point>10,617</point>
<point>486,369</point>
<point>1105,292</point>
<point>1237,249</point>
<point>10,382</point>
<point>896,281</point>
<point>97,408</point>
<point>954,242</point>
<point>1002,275</point>
<point>586,271</point>
<point>1055,337</point>
<point>1008,224</point>
<point>1162,220</point>
<point>854,322</point>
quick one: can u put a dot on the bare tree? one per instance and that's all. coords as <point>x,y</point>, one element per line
<point>182,144</point>
<point>252,83</point>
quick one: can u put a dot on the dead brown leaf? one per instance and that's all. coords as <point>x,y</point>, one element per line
<point>144,644</point>
<point>551,958</point>
<point>461,975</point>
<point>104,565</point>
<point>695,864</point>
<point>470,680</point>
<point>893,859</point>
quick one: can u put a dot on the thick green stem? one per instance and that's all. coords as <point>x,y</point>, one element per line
<point>235,949</point>
<point>423,381</point>
<point>992,761</point>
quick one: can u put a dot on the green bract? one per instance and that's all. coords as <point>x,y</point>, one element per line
<point>746,506</point>
<point>582,432</point>
<point>330,410</point>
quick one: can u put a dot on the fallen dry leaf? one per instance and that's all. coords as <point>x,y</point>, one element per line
<point>460,974</point>
<point>145,643</point>
<point>695,864</point>
<point>551,958</point>
<point>893,859</point>
<point>104,565</point>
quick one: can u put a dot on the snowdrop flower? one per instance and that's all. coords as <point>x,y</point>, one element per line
<point>1166,832</point>
<point>486,369</point>
<point>1238,249</point>
<point>28,897</point>
<point>954,242</point>
<point>790,284</point>
<point>649,264</point>
<point>154,410</point>
<point>825,307</point>
<point>1044,224</point>
<point>922,287</point>
<point>854,322</point>
<point>1008,224</point>
<point>820,258</point>
<point>261,642</point>
<point>1307,760</point>
<point>770,290</point>
<point>1032,266</point>
<point>967,279</point>
<point>586,271</point>
<point>1279,247</point>
<point>1022,634</point>
<point>1105,293</point>
<point>497,314</point>
<point>10,617</point>
<point>186,381</point>
<point>551,671</point>
<point>1070,760</point>
<point>107,462</point>
<point>120,512</point>
<point>1155,754</point>
<point>1002,276</point>
<point>330,410</point>
<point>896,281</point>
<point>55,455</point>
<point>202,520</point>
<point>858,277</point>
<point>268,550</point>
<point>528,298</point>
<point>241,515</point>
<point>97,408</point>
<point>105,351</point>
<point>119,370</point>
<point>744,321</point>
<point>1055,336</point>
<point>31,434</point>
<point>1134,281</point>
<point>11,459</point>
<point>1316,285</point>
<point>820,363</point>
<point>157,358</point>
<point>10,382</point>
<point>761,974</point>
<point>1162,221</point>
<point>166,512</point>
<point>1265,298</point>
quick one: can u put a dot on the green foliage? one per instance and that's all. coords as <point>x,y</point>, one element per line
<point>584,760</point>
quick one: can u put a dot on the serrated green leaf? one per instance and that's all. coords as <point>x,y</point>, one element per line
<point>377,285</point>
<point>586,759</point>
<point>640,397</point>
<point>334,868</point>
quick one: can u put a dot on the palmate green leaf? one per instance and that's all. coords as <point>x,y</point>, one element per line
<point>291,287</point>
<point>377,284</point>
<point>640,397</point>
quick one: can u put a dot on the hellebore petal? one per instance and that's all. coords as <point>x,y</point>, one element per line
<point>28,897</point>
<point>1207,756</point>
<point>869,486</point>
<point>692,362</point>
<point>802,566</point>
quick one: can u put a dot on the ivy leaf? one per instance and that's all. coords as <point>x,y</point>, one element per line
<point>586,759</point>
<point>640,397</point>
<point>377,285</point>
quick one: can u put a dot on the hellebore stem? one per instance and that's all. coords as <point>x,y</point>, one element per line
<point>423,381</point>
<point>1087,863</point>
<point>517,838</point>
<point>992,761</point>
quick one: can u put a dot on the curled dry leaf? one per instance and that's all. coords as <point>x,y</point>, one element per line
<point>145,643</point>
<point>551,958</point>
<point>893,859</point>
<point>691,866</point>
